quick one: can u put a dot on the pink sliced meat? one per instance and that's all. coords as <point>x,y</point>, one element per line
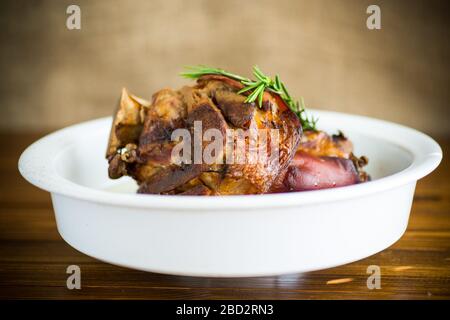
<point>307,172</point>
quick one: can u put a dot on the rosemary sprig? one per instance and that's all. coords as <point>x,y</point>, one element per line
<point>256,88</point>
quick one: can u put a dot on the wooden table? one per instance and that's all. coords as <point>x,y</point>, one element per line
<point>34,258</point>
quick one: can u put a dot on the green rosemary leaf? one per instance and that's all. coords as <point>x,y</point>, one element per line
<point>258,74</point>
<point>252,97</point>
<point>257,88</point>
<point>194,72</point>
<point>285,92</point>
<point>260,98</point>
<point>297,107</point>
<point>277,84</point>
<point>250,87</point>
<point>302,104</point>
<point>248,83</point>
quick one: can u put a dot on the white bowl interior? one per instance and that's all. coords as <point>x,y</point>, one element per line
<point>84,163</point>
<point>72,162</point>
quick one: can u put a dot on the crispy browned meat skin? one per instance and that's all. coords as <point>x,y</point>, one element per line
<point>143,151</point>
<point>322,162</point>
<point>197,190</point>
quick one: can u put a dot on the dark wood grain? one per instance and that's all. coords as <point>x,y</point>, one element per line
<point>34,258</point>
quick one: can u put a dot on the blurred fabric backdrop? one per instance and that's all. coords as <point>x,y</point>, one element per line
<point>52,77</point>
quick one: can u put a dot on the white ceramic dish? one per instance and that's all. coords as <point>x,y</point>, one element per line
<point>233,235</point>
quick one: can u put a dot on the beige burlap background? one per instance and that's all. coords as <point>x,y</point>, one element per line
<point>52,77</point>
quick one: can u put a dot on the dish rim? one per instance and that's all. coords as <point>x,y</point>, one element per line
<point>37,165</point>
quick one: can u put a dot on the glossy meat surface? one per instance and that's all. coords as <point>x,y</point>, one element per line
<point>322,162</point>
<point>141,144</point>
